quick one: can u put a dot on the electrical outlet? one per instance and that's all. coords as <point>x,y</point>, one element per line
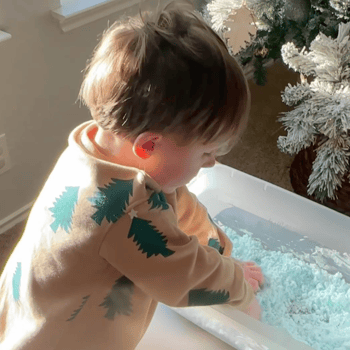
<point>5,161</point>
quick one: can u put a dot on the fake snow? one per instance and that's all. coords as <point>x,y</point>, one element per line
<point>304,295</point>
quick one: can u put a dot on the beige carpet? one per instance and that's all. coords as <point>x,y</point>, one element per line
<point>258,154</point>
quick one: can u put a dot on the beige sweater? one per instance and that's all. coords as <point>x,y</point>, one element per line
<point>102,246</point>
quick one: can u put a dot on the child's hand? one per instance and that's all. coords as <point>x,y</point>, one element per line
<point>253,274</point>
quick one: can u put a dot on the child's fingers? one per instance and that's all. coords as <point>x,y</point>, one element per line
<point>253,266</point>
<point>254,272</point>
<point>259,277</point>
<point>254,283</point>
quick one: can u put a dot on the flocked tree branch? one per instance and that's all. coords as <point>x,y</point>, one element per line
<point>323,110</point>
<point>278,22</point>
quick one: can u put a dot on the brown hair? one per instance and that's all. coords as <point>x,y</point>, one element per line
<point>169,73</point>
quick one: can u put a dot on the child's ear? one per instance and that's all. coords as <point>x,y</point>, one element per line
<point>144,144</point>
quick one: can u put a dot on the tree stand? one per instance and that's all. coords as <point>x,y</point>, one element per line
<point>300,171</point>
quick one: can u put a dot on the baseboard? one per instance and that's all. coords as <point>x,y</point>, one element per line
<point>15,218</point>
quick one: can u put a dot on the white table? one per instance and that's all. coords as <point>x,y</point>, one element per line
<point>170,331</point>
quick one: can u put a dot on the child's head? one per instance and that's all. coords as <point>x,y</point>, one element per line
<point>169,75</point>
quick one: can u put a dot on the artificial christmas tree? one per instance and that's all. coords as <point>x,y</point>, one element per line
<point>318,129</point>
<point>278,22</point>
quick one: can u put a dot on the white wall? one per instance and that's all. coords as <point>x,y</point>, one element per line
<point>40,77</point>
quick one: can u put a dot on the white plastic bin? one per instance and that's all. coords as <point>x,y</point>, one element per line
<point>223,187</point>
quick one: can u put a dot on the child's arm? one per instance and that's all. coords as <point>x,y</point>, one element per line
<point>194,219</point>
<point>147,247</point>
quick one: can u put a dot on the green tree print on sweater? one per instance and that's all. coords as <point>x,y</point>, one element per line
<point>158,200</point>
<point>16,281</point>
<point>63,209</point>
<point>214,242</point>
<point>76,312</point>
<point>150,240</point>
<point>201,297</point>
<point>146,235</point>
<point>111,200</point>
<point>118,301</point>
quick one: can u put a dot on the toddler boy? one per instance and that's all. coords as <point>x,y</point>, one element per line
<point>114,229</point>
